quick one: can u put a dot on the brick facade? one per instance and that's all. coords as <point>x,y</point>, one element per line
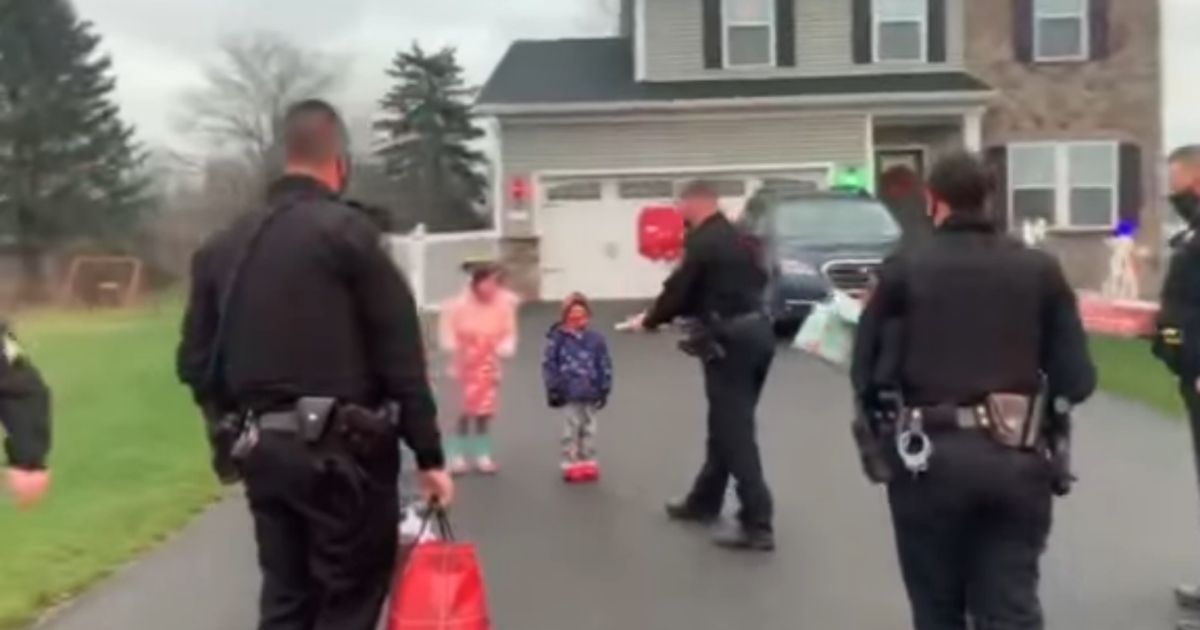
<point>1117,98</point>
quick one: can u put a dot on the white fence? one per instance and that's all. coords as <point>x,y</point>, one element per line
<point>433,262</point>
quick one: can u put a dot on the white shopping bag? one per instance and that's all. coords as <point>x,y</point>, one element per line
<point>828,333</point>
<point>414,528</point>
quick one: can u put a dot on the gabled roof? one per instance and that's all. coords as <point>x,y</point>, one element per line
<point>601,71</point>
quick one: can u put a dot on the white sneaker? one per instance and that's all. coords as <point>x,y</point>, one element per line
<point>486,465</point>
<point>459,466</point>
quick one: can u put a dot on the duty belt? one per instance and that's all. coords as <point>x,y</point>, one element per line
<point>308,419</point>
<point>279,422</point>
<point>948,418</point>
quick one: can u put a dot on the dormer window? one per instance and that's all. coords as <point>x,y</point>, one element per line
<point>749,27</point>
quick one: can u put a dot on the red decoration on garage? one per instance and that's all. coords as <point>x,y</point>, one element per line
<point>520,190</point>
<point>660,233</point>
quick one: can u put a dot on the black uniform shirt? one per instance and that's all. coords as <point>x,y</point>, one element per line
<point>720,276</point>
<point>320,310</point>
<point>978,313</point>
<point>1181,289</point>
<point>24,407</point>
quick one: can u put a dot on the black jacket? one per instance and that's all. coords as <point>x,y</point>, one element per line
<point>720,277</point>
<point>319,310</point>
<point>1180,304</point>
<point>970,312</point>
<point>24,407</point>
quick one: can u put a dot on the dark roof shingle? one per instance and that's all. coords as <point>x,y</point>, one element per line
<point>571,71</point>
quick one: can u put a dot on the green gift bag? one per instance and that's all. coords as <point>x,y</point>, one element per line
<point>828,333</point>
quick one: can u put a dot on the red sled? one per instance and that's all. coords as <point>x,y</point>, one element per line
<point>1118,318</point>
<point>440,587</point>
<point>583,472</point>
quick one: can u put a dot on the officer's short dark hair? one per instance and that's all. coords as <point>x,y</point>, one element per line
<point>313,131</point>
<point>1188,154</point>
<point>962,181</point>
<point>699,189</point>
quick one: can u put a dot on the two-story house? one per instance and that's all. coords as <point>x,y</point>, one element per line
<point>1061,95</point>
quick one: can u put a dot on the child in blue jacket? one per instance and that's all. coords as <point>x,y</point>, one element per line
<point>577,369</point>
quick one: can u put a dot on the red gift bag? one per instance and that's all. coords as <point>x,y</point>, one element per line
<point>439,586</point>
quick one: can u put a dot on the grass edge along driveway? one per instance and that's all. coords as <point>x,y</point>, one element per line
<point>129,459</point>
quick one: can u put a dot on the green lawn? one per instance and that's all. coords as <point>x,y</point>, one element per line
<point>1128,369</point>
<point>129,460</point>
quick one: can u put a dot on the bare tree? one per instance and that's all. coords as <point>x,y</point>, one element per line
<point>241,108</point>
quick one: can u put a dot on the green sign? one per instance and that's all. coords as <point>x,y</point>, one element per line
<point>851,178</point>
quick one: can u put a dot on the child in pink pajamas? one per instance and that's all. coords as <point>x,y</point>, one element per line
<point>478,328</point>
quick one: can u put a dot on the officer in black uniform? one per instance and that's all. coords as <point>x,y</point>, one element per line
<point>1178,340</point>
<point>25,417</point>
<point>981,322</point>
<point>299,332</point>
<point>720,285</point>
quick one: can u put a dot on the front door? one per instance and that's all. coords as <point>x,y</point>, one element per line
<point>900,182</point>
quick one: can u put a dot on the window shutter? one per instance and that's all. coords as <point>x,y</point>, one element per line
<point>863,32</point>
<point>1023,30</point>
<point>937,31</point>
<point>714,55</point>
<point>997,161</point>
<point>1130,197</point>
<point>785,33</point>
<point>1100,28</point>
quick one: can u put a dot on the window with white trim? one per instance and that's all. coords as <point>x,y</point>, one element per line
<point>1069,185</point>
<point>749,33</point>
<point>1060,29</point>
<point>901,30</point>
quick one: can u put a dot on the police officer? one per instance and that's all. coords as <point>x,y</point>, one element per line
<point>25,417</point>
<point>980,320</point>
<point>299,324</point>
<point>1178,340</point>
<point>720,284</point>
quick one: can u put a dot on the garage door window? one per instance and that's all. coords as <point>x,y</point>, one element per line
<point>724,187</point>
<point>573,191</point>
<point>646,189</point>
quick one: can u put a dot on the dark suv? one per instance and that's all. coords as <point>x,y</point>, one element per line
<point>816,242</point>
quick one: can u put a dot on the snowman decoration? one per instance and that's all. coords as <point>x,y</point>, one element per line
<point>1122,282</point>
<point>1033,232</point>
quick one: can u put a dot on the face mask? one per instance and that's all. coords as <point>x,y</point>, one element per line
<point>1187,205</point>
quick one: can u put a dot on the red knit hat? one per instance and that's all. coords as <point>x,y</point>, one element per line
<point>573,300</point>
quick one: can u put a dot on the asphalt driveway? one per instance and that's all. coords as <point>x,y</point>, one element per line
<point>605,558</point>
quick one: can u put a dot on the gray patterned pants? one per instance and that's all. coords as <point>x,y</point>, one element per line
<point>579,435</point>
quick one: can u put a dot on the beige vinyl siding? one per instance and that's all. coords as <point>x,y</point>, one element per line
<point>674,43</point>
<point>670,141</point>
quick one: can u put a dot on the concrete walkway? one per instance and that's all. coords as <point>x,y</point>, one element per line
<point>604,557</point>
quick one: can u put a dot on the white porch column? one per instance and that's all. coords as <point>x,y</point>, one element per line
<point>973,130</point>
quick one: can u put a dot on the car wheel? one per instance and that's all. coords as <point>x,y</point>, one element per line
<point>787,329</point>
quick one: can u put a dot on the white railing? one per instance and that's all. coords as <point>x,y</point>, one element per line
<point>433,262</point>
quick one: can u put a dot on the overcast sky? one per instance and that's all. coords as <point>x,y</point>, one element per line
<point>160,46</point>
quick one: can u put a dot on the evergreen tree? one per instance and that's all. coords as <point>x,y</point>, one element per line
<point>68,166</point>
<point>429,125</point>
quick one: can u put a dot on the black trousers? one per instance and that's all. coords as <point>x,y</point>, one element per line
<point>733,385</point>
<point>326,532</point>
<point>970,533</point>
<point>1191,399</point>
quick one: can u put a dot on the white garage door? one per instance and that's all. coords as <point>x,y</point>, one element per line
<point>588,228</point>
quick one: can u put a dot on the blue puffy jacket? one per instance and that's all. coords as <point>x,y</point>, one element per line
<point>577,367</point>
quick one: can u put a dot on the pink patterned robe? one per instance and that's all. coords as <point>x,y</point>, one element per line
<point>477,335</point>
